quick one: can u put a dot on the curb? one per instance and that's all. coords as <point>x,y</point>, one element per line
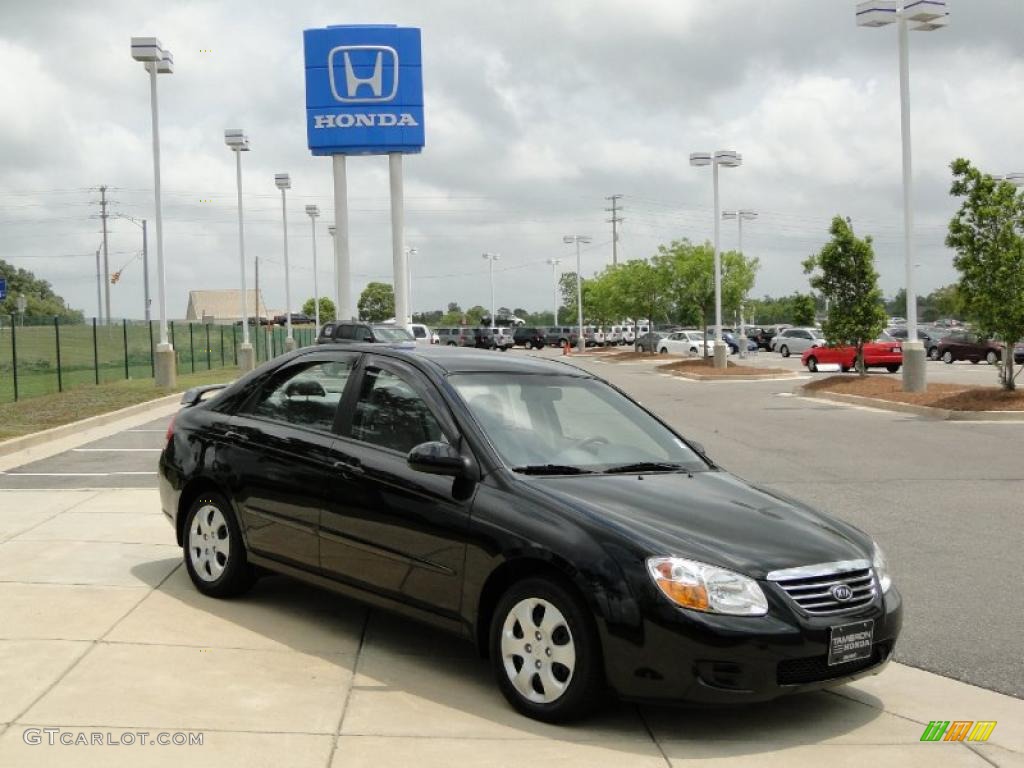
<point>927,411</point>
<point>736,377</point>
<point>35,439</point>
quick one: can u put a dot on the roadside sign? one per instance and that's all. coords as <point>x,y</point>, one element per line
<point>364,90</point>
<point>3,288</point>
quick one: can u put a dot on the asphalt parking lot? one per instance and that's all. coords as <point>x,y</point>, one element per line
<point>102,630</point>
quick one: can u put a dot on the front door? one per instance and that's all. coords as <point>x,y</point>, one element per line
<point>386,527</point>
<point>280,456</point>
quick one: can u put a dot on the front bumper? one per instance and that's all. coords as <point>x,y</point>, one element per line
<point>690,657</point>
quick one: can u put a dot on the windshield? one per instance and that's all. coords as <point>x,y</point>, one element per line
<point>392,334</point>
<point>568,424</point>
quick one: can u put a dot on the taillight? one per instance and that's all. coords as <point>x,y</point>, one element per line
<point>170,430</point>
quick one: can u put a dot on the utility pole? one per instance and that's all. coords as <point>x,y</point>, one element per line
<point>615,220</point>
<point>99,283</point>
<point>106,261</point>
<point>257,328</point>
<point>145,270</point>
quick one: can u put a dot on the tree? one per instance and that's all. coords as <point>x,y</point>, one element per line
<point>454,308</point>
<point>326,309</point>
<point>475,314</point>
<point>804,308</point>
<point>377,302</point>
<point>641,290</point>
<point>844,273</point>
<point>987,234</point>
<point>40,300</point>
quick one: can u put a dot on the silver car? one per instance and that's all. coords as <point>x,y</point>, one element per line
<point>797,341</point>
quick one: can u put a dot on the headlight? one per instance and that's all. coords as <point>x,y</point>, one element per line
<point>881,566</point>
<point>703,587</point>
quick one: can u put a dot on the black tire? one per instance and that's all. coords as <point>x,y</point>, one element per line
<point>845,368</point>
<point>585,683</point>
<point>892,368</point>
<point>663,351</point>
<point>216,515</point>
<point>784,350</point>
<point>452,344</point>
<point>812,364</point>
<point>947,357</point>
<point>975,361</point>
<point>992,358</point>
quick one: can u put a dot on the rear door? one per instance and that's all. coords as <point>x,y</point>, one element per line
<point>278,454</point>
<point>388,528</point>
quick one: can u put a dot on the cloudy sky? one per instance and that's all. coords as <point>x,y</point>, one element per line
<point>535,112</point>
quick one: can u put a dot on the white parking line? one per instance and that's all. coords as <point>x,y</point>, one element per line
<point>115,450</point>
<point>71,474</point>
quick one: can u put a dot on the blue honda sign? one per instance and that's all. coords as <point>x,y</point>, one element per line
<point>364,90</point>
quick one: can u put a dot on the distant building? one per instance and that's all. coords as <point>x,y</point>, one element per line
<point>223,306</point>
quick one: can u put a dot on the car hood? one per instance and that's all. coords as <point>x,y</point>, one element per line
<point>710,516</point>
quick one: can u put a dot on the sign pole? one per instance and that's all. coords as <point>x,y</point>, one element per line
<point>398,255</point>
<point>342,264</point>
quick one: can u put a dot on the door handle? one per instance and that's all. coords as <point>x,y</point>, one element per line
<point>353,467</point>
<point>233,435</point>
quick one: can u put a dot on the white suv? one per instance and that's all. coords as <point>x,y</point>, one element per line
<point>797,341</point>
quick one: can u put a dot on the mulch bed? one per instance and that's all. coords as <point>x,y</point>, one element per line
<point>952,397</point>
<point>615,356</point>
<point>705,368</point>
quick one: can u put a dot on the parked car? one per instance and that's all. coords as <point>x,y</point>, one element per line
<point>527,336</point>
<point>770,332</point>
<point>790,340</point>
<point>458,336</point>
<point>499,499</point>
<point>968,345</point>
<point>628,334</point>
<point>298,318</point>
<point>686,343</point>
<point>734,344</point>
<point>503,339</point>
<point>757,334</point>
<point>648,341</point>
<point>612,335</point>
<point>422,334</point>
<point>927,335</point>
<point>353,331</point>
<point>885,352</point>
<point>593,336</point>
<point>559,336</point>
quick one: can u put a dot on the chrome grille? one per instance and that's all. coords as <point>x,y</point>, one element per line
<point>811,586</point>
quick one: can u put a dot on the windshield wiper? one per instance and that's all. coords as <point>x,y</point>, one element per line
<point>645,466</point>
<point>551,469</point>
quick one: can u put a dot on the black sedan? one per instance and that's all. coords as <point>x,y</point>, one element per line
<point>574,536</point>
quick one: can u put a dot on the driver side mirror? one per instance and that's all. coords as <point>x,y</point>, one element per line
<point>437,458</point>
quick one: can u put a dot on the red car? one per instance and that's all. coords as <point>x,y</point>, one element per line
<point>884,352</point>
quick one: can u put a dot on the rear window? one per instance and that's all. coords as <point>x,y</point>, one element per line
<point>419,332</point>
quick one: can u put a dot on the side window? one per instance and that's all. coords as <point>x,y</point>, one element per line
<point>344,331</point>
<point>306,396</point>
<point>390,414</point>
<point>419,332</point>
<point>362,333</point>
<point>327,330</point>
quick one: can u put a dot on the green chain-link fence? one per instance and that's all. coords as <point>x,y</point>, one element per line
<point>39,356</point>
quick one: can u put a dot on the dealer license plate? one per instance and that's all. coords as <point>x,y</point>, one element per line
<point>851,642</point>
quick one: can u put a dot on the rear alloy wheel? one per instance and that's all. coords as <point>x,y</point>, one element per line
<point>784,350</point>
<point>933,353</point>
<point>544,651</point>
<point>992,357</point>
<point>812,364</point>
<point>214,553</point>
<point>947,357</point>
<point>893,367</point>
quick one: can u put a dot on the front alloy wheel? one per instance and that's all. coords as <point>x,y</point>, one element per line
<point>544,651</point>
<point>992,357</point>
<point>784,351</point>
<point>947,357</point>
<point>812,364</point>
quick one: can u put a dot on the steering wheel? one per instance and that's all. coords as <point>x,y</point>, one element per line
<point>595,441</point>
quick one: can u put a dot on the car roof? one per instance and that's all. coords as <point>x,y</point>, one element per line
<point>448,360</point>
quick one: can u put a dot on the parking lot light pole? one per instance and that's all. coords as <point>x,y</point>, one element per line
<point>313,211</point>
<point>284,182</point>
<point>740,216</point>
<point>554,287</point>
<point>491,258</point>
<point>919,16</point>
<point>238,143</point>
<point>581,343</point>
<point>729,159</point>
<point>158,61</point>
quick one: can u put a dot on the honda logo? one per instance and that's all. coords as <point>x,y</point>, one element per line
<point>381,61</point>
